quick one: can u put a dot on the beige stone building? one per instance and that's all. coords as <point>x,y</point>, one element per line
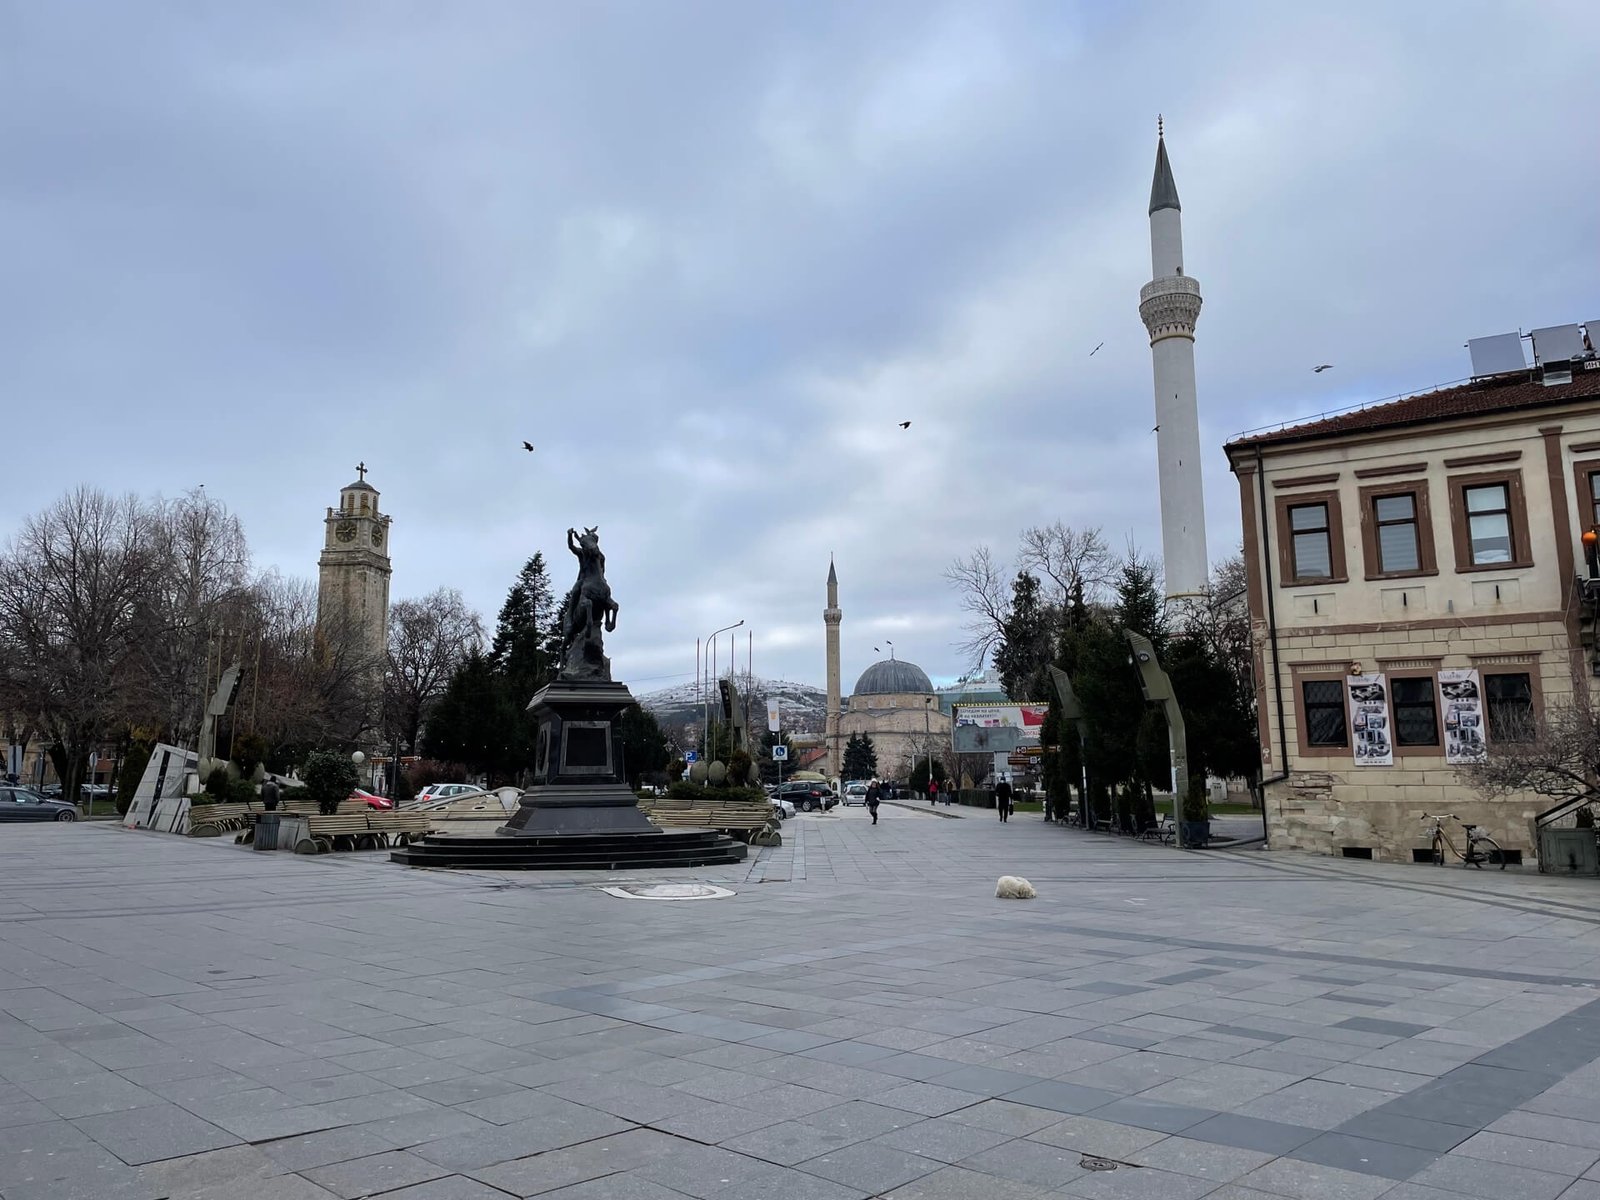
<point>1414,596</point>
<point>895,704</point>
<point>353,572</point>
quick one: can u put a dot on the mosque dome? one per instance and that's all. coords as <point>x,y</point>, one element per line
<point>893,677</point>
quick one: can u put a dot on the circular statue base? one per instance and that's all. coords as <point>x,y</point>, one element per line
<point>575,851</point>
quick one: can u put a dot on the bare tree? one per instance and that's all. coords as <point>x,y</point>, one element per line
<point>73,615</point>
<point>984,591</point>
<point>428,639</point>
<point>1069,559</point>
<point>1556,756</point>
<point>198,614</point>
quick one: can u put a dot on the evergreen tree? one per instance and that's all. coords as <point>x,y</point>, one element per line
<point>1139,604</point>
<point>1024,653</point>
<point>527,642</point>
<point>475,723</point>
<point>860,757</point>
<point>644,746</point>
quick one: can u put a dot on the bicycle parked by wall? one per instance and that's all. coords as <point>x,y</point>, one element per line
<point>1481,848</point>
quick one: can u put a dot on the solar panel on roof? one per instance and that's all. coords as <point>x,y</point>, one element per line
<point>1594,335</point>
<point>1497,355</point>
<point>1556,343</point>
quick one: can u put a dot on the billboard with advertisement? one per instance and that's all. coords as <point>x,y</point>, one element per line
<point>1026,719</point>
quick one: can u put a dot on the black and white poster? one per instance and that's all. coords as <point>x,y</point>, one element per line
<point>1461,702</point>
<point>1370,735</point>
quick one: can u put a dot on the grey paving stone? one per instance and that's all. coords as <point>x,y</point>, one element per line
<point>159,1131</point>
<point>1365,1156</point>
<point>942,1139</point>
<point>928,1099</point>
<point>1204,1160</point>
<point>790,1142</point>
<point>1314,1181</point>
<point>987,1081</point>
<point>1494,1181</point>
<point>486,1148</point>
<point>870,1166</point>
<point>1144,1183</point>
<point>540,1173</point>
<point>1005,1116</point>
<point>1406,1131</point>
<point>1399,1029</point>
<point>1563,1130</point>
<point>770,1182</point>
<point>859,1119</point>
<point>1540,1154</point>
<point>1062,1097</point>
<point>385,1172</point>
<point>1031,1162</point>
<point>957,1183</point>
<point>461,1187</point>
<point>1150,1114</point>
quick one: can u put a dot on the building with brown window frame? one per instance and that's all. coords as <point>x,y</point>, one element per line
<point>1436,533</point>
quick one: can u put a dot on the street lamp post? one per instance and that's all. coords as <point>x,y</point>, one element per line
<point>711,643</point>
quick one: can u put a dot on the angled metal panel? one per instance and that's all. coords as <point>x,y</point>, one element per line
<point>1499,354</point>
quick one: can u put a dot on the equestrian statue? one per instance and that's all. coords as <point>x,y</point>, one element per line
<point>587,610</point>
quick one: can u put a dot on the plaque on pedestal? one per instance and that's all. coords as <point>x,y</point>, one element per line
<point>579,785</point>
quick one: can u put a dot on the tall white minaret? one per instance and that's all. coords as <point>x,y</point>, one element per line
<point>1169,305</point>
<point>831,617</point>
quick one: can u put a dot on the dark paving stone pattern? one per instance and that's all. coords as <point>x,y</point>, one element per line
<point>189,1020</point>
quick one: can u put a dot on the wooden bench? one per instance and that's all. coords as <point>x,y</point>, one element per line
<point>738,817</point>
<point>212,820</point>
<point>360,831</point>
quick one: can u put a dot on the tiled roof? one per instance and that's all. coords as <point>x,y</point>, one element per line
<point>1505,394</point>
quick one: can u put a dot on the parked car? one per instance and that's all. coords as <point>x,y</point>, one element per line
<point>50,791</point>
<point>855,792</point>
<point>808,797</point>
<point>373,799</point>
<point>785,808</point>
<point>444,791</point>
<point>18,804</point>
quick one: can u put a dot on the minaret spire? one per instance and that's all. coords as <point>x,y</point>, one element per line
<point>831,617</point>
<point>1169,305</point>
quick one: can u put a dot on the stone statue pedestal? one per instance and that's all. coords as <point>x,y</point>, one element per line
<point>579,785</point>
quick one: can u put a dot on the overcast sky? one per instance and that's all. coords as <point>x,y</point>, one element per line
<point>707,255</point>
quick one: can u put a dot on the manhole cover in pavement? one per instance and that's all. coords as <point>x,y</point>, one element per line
<point>1090,1163</point>
<point>667,891</point>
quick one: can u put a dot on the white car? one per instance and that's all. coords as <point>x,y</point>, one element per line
<point>785,807</point>
<point>855,792</point>
<point>444,791</point>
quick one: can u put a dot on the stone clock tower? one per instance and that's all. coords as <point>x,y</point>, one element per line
<point>353,572</point>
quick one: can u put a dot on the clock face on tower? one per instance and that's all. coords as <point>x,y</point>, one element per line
<point>377,535</point>
<point>345,531</point>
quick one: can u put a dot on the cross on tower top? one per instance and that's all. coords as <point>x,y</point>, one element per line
<point>361,470</point>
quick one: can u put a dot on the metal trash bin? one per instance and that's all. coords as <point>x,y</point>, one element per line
<point>266,831</point>
<point>1568,852</point>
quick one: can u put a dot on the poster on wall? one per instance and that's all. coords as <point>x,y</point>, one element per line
<point>1461,702</point>
<point>1370,736</point>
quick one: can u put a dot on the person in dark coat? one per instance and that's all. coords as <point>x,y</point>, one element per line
<point>874,795</point>
<point>1002,798</point>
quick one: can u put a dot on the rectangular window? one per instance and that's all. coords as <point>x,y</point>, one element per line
<point>1510,700</point>
<point>1313,549</point>
<point>1594,498</point>
<point>1416,712</point>
<point>1398,547</point>
<point>1489,523</point>
<point>1324,712</point>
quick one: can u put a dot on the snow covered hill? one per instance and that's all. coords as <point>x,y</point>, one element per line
<point>804,707</point>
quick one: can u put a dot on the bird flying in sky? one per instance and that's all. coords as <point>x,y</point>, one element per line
<point>1322,368</point>
<point>1096,350</point>
<point>528,446</point>
<point>905,424</point>
<point>1157,429</point>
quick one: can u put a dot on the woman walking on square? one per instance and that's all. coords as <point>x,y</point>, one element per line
<point>874,794</point>
<point>933,792</point>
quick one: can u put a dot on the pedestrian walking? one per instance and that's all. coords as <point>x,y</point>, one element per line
<point>874,794</point>
<point>1002,798</point>
<point>933,792</point>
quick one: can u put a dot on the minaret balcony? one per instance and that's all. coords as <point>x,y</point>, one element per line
<point>1170,307</point>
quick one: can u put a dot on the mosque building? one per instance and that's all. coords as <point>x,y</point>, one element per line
<point>893,702</point>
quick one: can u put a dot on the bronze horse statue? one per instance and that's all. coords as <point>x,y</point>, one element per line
<point>587,610</point>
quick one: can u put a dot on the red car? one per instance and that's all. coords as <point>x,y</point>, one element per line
<point>373,800</point>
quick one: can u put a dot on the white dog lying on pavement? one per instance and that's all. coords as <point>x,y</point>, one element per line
<point>1014,887</point>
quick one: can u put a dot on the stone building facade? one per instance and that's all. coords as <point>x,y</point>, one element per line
<point>1414,594</point>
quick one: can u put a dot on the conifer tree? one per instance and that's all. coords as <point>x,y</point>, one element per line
<point>860,757</point>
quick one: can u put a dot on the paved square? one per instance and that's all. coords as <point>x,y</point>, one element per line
<point>192,1020</point>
